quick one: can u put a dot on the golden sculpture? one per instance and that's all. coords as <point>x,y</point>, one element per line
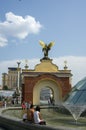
<point>46,48</point>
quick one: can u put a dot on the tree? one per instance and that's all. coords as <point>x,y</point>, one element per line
<point>5,87</point>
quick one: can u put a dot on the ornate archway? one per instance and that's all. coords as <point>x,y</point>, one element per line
<point>57,92</point>
<point>45,74</point>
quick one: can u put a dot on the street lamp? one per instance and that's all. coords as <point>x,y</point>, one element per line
<point>18,80</point>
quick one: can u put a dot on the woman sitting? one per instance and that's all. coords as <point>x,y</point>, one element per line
<point>37,117</point>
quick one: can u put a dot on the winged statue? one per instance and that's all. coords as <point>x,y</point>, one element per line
<point>46,48</point>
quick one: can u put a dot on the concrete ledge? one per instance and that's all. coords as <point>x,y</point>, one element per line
<point>11,124</point>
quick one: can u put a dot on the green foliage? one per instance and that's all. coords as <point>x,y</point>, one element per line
<point>5,87</point>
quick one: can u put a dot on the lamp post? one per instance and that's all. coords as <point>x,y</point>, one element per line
<point>18,80</point>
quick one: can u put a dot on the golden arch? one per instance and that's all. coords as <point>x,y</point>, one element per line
<point>52,85</point>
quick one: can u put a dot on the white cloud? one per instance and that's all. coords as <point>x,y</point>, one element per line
<point>18,27</point>
<point>77,65</point>
<point>3,41</point>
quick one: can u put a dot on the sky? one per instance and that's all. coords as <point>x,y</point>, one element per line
<point>23,23</point>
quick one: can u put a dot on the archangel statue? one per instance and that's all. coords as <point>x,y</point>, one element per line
<point>46,48</point>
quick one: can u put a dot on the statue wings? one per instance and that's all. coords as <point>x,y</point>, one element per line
<point>42,44</point>
<point>49,45</point>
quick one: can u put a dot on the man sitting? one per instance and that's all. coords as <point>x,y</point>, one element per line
<point>30,114</point>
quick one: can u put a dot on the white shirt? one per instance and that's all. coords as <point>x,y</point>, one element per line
<point>36,117</point>
<point>25,116</point>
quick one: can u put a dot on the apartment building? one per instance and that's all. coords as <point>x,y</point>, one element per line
<point>10,79</point>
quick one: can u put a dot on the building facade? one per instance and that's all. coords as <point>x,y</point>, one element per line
<point>10,79</point>
<point>4,80</point>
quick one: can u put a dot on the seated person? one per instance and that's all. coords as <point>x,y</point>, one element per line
<point>30,114</point>
<point>25,116</point>
<point>37,117</point>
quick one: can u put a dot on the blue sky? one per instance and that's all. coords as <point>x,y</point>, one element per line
<point>24,22</point>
